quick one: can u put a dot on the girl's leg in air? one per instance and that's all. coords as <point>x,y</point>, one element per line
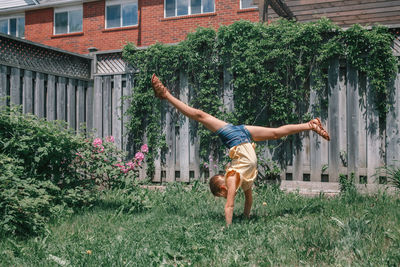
<point>209,121</point>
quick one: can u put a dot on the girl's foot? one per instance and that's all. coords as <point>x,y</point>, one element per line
<point>316,126</point>
<point>160,90</point>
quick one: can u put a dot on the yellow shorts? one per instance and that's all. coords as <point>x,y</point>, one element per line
<point>244,163</point>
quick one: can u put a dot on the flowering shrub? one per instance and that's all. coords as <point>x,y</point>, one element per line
<point>101,163</point>
<point>46,171</point>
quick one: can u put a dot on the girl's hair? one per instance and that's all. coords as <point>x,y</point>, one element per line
<point>215,184</point>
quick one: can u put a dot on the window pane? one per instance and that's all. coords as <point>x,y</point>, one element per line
<point>61,22</point>
<point>208,6</point>
<point>247,3</point>
<point>130,15</point>
<point>114,16</point>
<point>75,21</point>
<point>182,7</point>
<point>4,26</point>
<point>170,8</point>
<point>21,27</point>
<point>195,6</point>
<point>13,27</point>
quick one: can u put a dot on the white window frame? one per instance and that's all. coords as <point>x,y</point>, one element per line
<point>66,9</point>
<point>241,7</point>
<point>121,3</point>
<point>189,10</point>
<point>16,16</point>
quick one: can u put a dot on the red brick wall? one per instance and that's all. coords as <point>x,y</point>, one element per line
<point>153,27</point>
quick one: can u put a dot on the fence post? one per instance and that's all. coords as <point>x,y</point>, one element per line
<point>392,127</point>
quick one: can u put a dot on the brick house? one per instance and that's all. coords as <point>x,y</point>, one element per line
<point>76,25</point>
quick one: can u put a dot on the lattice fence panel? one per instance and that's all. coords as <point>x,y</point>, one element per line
<point>23,54</point>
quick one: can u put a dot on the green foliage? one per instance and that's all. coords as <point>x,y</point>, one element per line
<point>393,175</point>
<point>347,184</point>
<point>271,65</point>
<point>46,171</point>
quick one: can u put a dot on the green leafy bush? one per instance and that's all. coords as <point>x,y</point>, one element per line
<point>47,170</point>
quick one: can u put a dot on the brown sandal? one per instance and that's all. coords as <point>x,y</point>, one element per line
<point>317,127</point>
<point>160,90</point>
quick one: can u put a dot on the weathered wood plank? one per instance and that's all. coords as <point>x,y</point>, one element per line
<point>80,109</point>
<point>393,128</point>
<point>71,103</point>
<point>194,150</point>
<point>3,85</point>
<point>127,143</point>
<point>106,106</point>
<point>39,95</point>
<point>15,86</point>
<point>297,159</point>
<point>184,131</point>
<point>51,98</point>
<point>89,106</point>
<point>98,106</point>
<point>353,117</point>
<point>117,111</point>
<point>170,139</point>
<point>333,115</point>
<point>61,105</point>
<point>27,88</point>
<point>315,143</point>
<point>228,91</point>
<point>373,138</point>
<point>362,125</point>
<point>342,118</point>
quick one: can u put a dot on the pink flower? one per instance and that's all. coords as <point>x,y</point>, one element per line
<point>130,165</point>
<point>97,142</point>
<point>101,149</point>
<point>110,139</point>
<point>215,165</point>
<point>205,165</point>
<point>139,156</point>
<point>144,148</point>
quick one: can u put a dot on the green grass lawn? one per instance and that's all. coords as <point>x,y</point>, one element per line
<point>182,227</point>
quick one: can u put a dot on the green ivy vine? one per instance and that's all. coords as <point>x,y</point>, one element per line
<point>271,65</point>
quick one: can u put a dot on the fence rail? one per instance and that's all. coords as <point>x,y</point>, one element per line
<point>100,104</point>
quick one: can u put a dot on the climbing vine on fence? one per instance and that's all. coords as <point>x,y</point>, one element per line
<point>271,66</point>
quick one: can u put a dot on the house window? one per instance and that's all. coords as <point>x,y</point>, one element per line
<point>68,20</point>
<point>174,8</point>
<point>121,14</point>
<point>14,26</point>
<point>246,4</point>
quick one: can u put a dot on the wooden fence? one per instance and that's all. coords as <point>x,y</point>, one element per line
<point>96,100</point>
